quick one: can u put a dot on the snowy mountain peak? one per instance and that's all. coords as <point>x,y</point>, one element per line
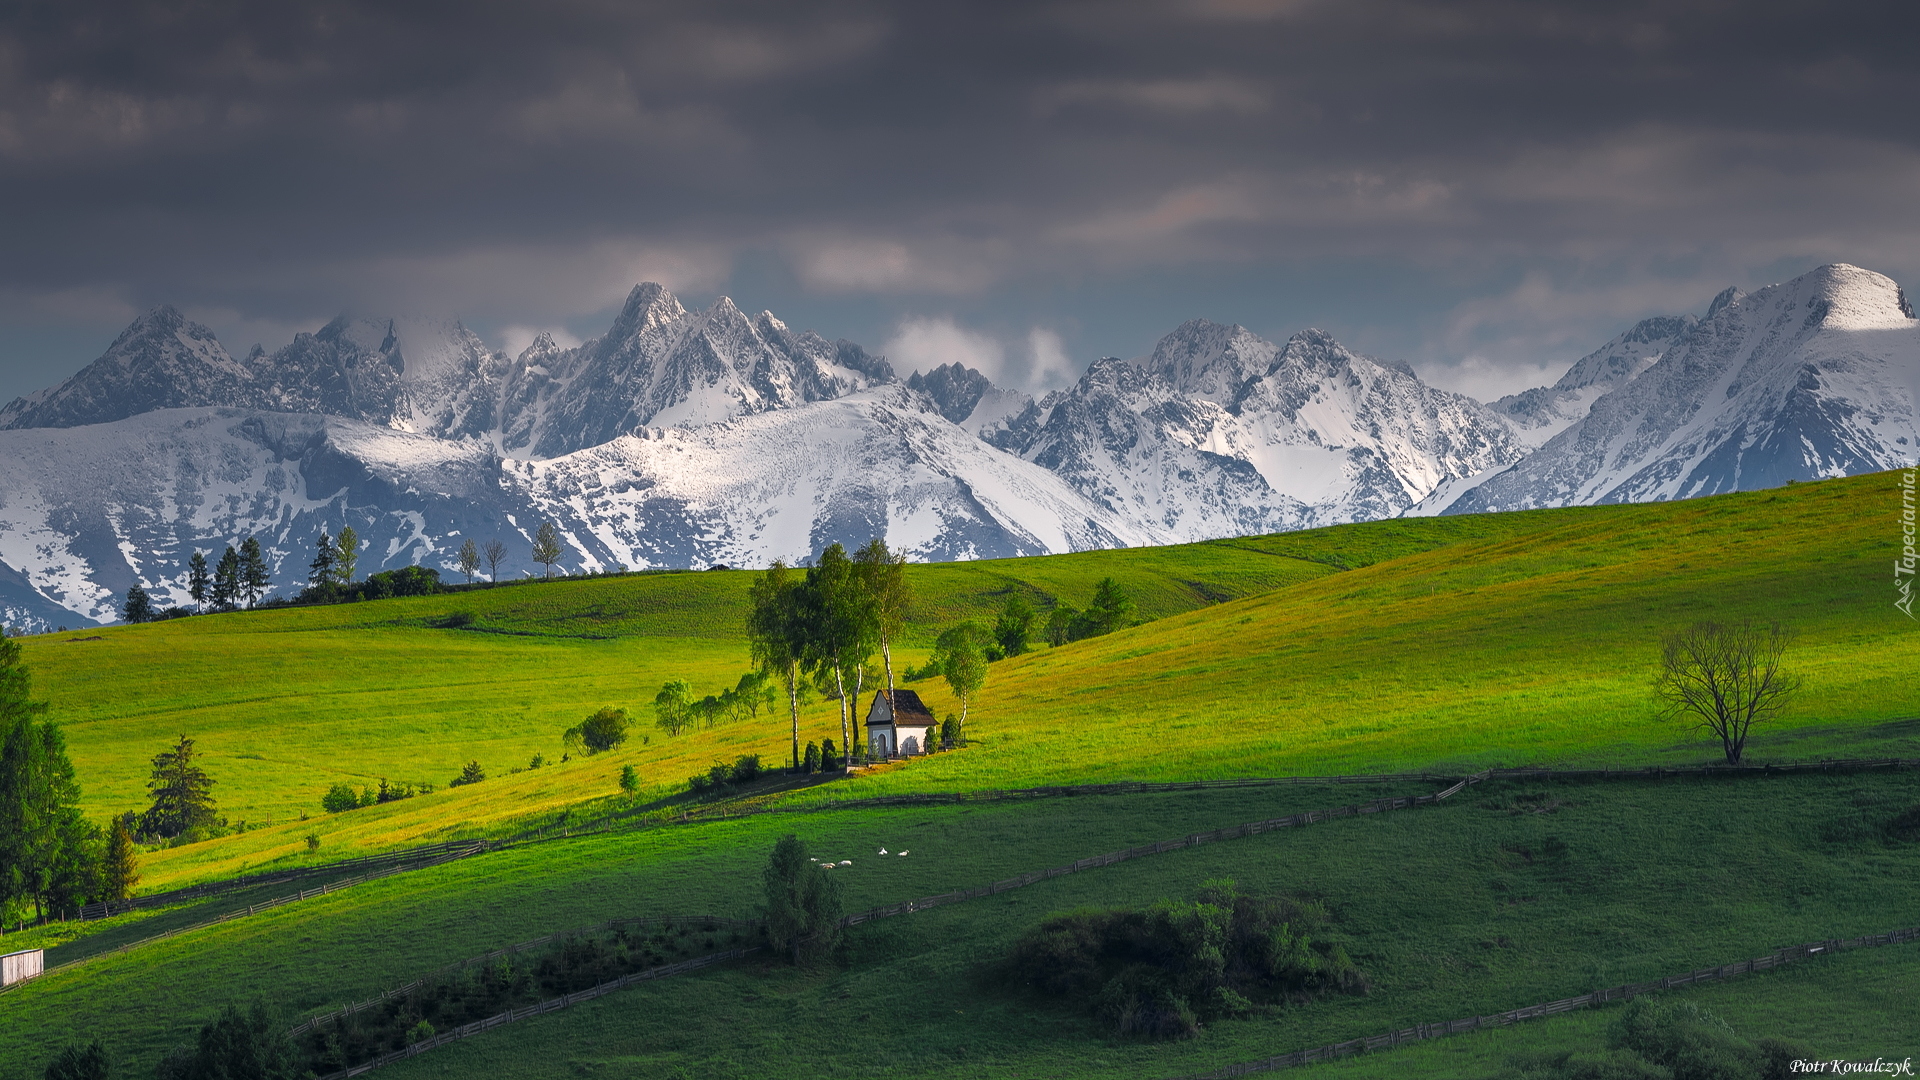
<point>1209,360</point>
<point>1813,378</point>
<point>161,360</point>
<point>1727,297</point>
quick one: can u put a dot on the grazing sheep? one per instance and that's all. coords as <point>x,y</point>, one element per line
<point>846,862</point>
<point>903,854</point>
<point>883,851</point>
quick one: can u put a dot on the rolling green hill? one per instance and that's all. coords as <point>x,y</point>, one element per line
<point>1446,644</point>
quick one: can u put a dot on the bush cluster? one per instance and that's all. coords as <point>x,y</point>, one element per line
<point>743,770</point>
<point>1665,1040</point>
<point>342,797</point>
<point>577,962</point>
<point>1161,972</point>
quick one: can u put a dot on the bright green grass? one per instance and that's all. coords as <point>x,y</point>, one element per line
<point>1440,906</point>
<point>1456,642</point>
<point>285,703</point>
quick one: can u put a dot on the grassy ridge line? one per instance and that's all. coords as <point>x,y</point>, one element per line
<point>1421,1032</point>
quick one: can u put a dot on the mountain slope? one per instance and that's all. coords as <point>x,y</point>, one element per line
<point>785,483</point>
<point>1814,378</point>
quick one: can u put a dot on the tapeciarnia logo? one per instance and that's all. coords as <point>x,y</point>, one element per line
<point>1903,567</point>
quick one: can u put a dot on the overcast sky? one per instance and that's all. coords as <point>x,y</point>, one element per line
<point>1485,189</point>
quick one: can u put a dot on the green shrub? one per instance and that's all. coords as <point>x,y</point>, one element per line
<point>78,1062</point>
<point>811,760</point>
<point>339,797</point>
<point>1158,973</point>
<point>746,769</point>
<point>472,773</point>
<point>604,730</point>
<point>629,779</point>
<point>700,783</point>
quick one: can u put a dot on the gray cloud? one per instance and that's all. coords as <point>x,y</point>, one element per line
<point>1525,174</point>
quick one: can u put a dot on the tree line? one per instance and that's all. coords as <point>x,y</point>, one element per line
<point>241,576</point>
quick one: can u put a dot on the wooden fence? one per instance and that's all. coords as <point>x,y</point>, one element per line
<point>703,922</point>
<point>525,1011</point>
<point>1420,1032</point>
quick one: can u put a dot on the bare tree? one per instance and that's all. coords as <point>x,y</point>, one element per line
<point>1725,678</point>
<point>495,552</point>
<point>469,559</point>
<point>547,548</point>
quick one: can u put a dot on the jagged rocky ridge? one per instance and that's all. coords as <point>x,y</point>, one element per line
<point>685,438</point>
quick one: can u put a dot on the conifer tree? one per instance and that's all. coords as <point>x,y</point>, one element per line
<point>139,607</point>
<point>182,793</point>
<point>320,570</point>
<point>47,850</point>
<point>226,580</point>
<point>255,578</point>
<point>121,871</point>
<point>199,582</point>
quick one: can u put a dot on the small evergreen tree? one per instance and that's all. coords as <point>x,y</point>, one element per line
<point>122,870</point>
<point>320,570</point>
<point>469,559</point>
<point>629,779</point>
<point>950,732</point>
<point>255,579</point>
<point>811,761</point>
<point>803,903</point>
<point>182,793</point>
<point>1111,609</point>
<point>346,556</point>
<point>547,549</point>
<point>226,580</point>
<point>78,1062</point>
<point>1013,630</point>
<point>199,581</point>
<point>138,608</point>
<point>472,773</point>
<point>829,755</point>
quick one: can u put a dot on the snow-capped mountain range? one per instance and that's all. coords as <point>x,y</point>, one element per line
<point>688,438</point>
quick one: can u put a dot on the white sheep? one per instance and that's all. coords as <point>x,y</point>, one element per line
<point>846,862</point>
<point>903,854</point>
<point>883,851</point>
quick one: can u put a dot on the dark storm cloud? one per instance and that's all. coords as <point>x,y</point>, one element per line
<point>1570,162</point>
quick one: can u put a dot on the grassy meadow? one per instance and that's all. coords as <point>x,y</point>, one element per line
<point>1449,910</point>
<point>1429,644</point>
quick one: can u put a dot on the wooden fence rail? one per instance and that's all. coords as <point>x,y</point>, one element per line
<point>1421,1032</point>
<point>705,922</point>
<point>525,1011</point>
